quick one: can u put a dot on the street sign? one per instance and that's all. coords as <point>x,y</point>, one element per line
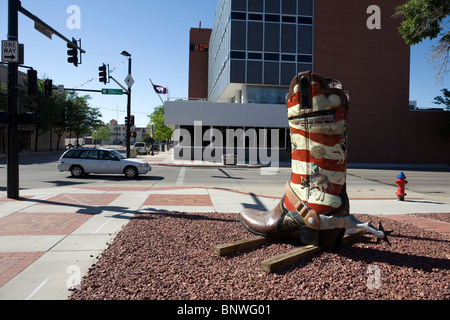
<point>10,51</point>
<point>112,91</point>
<point>129,80</point>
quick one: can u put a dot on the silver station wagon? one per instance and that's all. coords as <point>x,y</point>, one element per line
<point>80,161</point>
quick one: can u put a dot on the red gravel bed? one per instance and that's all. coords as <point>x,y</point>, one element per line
<point>165,255</point>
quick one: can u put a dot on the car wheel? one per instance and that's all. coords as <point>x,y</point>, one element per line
<point>76,171</point>
<point>131,172</point>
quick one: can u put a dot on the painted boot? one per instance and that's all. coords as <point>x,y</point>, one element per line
<point>315,199</point>
<point>317,111</point>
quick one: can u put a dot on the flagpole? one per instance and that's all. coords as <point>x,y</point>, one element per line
<point>156,92</point>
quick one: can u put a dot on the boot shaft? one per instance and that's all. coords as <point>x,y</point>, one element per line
<point>317,111</point>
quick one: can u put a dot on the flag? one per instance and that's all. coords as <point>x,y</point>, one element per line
<point>159,89</point>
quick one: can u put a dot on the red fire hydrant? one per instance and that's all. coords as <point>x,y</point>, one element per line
<point>401,182</point>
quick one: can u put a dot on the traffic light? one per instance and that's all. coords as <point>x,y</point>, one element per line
<point>133,134</point>
<point>102,74</point>
<point>131,120</point>
<point>73,52</point>
<point>32,82</point>
<point>48,87</point>
<point>126,121</point>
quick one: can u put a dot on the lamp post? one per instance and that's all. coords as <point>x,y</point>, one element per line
<point>126,54</point>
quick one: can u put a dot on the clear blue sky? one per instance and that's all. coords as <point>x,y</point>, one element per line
<point>156,34</point>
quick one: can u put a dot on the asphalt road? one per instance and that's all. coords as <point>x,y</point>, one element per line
<point>38,170</point>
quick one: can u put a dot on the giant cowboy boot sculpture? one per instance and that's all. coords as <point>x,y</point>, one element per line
<point>315,199</point>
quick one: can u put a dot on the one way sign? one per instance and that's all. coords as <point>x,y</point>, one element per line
<point>10,51</point>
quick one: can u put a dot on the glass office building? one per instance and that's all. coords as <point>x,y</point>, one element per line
<point>256,48</point>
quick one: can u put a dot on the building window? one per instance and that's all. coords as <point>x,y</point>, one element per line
<point>237,55</point>
<point>255,36</point>
<point>305,39</point>
<point>304,58</point>
<point>238,35</point>
<point>272,56</point>
<point>237,71</point>
<point>238,16</point>
<point>288,71</point>
<point>288,19</point>
<point>254,72</point>
<point>255,17</point>
<point>239,5</point>
<point>305,7</point>
<point>287,57</point>
<point>271,72</point>
<point>254,56</point>
<point>305,20</point>
<point>255,5</point>
<point>273,6</point>
<point>288,38</point>
<point>289,6</point>
<point>272,37</point>
<point>304,67</point>
<point>272,18</point>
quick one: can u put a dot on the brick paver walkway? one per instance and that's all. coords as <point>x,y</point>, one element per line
<point>423,223</point>
<point>12,263</point>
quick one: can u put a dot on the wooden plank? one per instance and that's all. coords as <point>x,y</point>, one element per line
<point>283,260</point>
<point>230,247</point>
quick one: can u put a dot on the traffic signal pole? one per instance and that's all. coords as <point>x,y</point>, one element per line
<point>12,179</point>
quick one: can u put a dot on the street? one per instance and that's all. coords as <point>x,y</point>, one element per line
<point>38,170</point>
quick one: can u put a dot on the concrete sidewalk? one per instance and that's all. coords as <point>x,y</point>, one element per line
<point>49,239</point>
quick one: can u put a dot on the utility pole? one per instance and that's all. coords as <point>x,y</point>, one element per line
<point>13,106</point>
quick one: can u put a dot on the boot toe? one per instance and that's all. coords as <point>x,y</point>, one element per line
<point>262,223</point>
<point>253,221</point>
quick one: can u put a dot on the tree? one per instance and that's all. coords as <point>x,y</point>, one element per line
<point>44,107</point>
<point>445,100</point>
<point>424,19</point>
<point>81,118</point>
<point>161,132</point>
<point>103,133</point>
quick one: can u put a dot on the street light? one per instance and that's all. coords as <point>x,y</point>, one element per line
<point>126,54</point>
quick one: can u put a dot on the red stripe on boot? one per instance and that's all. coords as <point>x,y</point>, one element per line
<point>326,139</point>
<point>323,163</point>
